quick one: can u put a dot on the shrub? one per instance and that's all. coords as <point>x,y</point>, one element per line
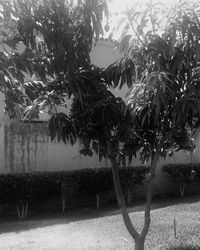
<point>183,174</point>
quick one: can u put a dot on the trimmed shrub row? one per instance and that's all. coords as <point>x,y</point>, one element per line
<point>24,190</point>
<point>32,188</point>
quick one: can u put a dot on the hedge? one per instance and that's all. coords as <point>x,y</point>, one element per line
<point>33,188</point>
<point>183,174</point>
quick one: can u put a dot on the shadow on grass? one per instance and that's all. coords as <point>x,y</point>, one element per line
<point>184,248</point>
<point>45,219</point>
<point>158,203</point>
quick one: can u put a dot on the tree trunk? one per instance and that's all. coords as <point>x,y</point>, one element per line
<point>147,216</point>
<point>120,196</point>
<point>182,184</point>
<point>64,195</point>
<point>138,238</point>
<point>97,201</point>
<point>129,195</point>
<point>22,210</point>
<point>139,244</point>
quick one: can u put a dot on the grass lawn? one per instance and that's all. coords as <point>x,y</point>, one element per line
<point>104,230</point>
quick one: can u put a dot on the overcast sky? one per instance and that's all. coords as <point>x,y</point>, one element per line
<point>120,5</point>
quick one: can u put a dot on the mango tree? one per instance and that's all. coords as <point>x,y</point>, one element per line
<point>160,66</point>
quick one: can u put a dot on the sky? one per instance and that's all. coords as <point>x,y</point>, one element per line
<point>118,6</point>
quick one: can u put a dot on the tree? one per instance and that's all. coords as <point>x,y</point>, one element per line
<point>160,66</point>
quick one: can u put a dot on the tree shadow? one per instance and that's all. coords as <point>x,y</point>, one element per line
<point>44,219</point>
<point>51,218</point>
<point>157,203</point>
<point>175,200</point>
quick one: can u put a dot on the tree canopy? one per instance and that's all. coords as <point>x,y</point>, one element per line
<point>162,67</point>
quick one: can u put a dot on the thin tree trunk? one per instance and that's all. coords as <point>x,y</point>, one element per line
<point>121,202</point>
<point>138,238</point>
<point>120,196</point>
<point>181,184</point>
<point>150,184</point>
<point>129,195</point>
<point>22,210</point>
<point>64,195</point>
<point>26,211</point>
<point>97,201</point>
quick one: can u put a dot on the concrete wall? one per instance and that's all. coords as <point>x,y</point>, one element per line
<point>27,147</point>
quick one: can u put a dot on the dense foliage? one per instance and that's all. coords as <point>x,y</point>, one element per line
<point>161,64</point>
<point>45,43</point>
